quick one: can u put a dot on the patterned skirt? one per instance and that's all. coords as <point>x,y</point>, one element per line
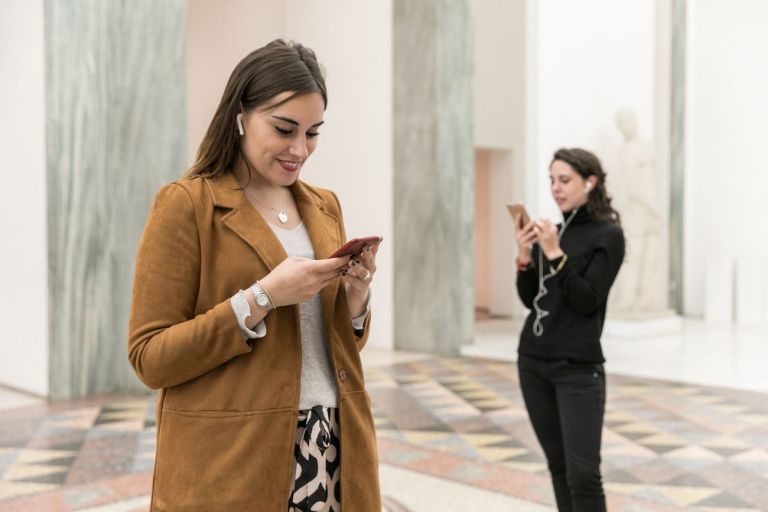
<point>316,483</point>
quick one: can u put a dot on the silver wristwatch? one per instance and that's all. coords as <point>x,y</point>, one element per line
<point>262,298</point>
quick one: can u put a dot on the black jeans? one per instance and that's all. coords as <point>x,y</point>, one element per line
<point>566,405</point>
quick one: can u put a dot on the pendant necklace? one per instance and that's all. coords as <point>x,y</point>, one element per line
<point>281,215</point>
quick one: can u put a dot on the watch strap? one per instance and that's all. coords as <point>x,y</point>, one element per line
<point>259,291</point>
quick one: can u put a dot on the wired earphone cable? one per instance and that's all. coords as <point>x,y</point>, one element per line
<point>541,313</point>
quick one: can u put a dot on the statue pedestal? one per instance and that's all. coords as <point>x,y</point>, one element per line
<point>641,324</point>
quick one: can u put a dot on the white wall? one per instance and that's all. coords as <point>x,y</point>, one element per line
<point>498,70</point>
<point>23,224</point>
<point>584,61</point>
<point>482,231</point>
<point>499,138</point>
<point>353,40</point>
<point>726,112</point>
<point>506,187</point>
<point>219,35</point>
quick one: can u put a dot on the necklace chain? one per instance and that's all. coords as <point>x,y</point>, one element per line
<point>282,216</point>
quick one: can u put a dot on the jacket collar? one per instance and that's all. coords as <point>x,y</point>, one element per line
<point>323,227</point>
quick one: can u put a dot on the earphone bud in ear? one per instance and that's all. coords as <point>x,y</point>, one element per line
<point>240,128</point>
<point>588,187</point>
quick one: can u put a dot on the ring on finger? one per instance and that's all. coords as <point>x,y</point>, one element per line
<point>366,277</point>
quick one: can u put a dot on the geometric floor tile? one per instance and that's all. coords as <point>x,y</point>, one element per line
<point>663,442</point>
<point>724,500</point>
<point>666,446</point>
<point>13,489</point>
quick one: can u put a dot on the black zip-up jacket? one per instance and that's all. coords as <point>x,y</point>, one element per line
<point>577,295</point>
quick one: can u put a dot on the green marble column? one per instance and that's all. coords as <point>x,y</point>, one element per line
<point>116,130</point>
<point>677,156</point>
<point>434,175</point>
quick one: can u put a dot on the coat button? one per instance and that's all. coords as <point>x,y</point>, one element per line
<point>342,374</point>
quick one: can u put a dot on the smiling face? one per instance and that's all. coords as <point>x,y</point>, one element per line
<point>278,140</point>
<point>569,189</point>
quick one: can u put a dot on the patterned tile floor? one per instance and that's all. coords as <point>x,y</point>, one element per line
<point>455,426</point>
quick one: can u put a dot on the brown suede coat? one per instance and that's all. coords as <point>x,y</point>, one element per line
<point>227,409</point>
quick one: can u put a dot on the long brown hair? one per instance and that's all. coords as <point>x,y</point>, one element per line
<point>587,164</point>
<point>273,69</point>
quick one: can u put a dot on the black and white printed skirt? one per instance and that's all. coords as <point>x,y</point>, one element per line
<point>316,484</point>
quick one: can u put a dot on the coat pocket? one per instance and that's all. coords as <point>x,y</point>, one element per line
<point>223,460</point>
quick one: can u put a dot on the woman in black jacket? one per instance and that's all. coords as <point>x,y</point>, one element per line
<point>565,272</point>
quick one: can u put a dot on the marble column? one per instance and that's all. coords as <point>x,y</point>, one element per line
<point>116,130</point>
<point>677,155</point>
<point>433,175</point>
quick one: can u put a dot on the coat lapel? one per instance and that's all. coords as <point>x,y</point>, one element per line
<point>245,221</point>
<point>323,227</point>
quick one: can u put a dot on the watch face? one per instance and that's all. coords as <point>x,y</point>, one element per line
<point>262,300</point>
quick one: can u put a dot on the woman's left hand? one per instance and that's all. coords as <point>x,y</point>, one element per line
<point>546,235</point>
<point>359,272</point>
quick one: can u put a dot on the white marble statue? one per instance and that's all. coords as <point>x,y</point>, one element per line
<point>639,284</point>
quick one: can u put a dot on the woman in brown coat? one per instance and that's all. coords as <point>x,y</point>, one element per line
<point>249,330</point>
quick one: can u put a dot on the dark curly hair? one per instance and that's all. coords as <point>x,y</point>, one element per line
<point>587,164</point>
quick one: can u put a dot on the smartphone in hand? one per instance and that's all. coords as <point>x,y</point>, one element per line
<point>518,213</point>
<point>355,246</point>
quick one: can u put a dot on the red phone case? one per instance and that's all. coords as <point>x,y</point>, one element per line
<point>355,246</point>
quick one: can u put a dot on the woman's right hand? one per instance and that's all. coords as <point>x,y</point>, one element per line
<point>525,238</point>
<point>297,280</point>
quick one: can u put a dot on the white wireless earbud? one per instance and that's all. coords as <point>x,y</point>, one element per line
<point>588,187</point>
<point>240,128</point>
